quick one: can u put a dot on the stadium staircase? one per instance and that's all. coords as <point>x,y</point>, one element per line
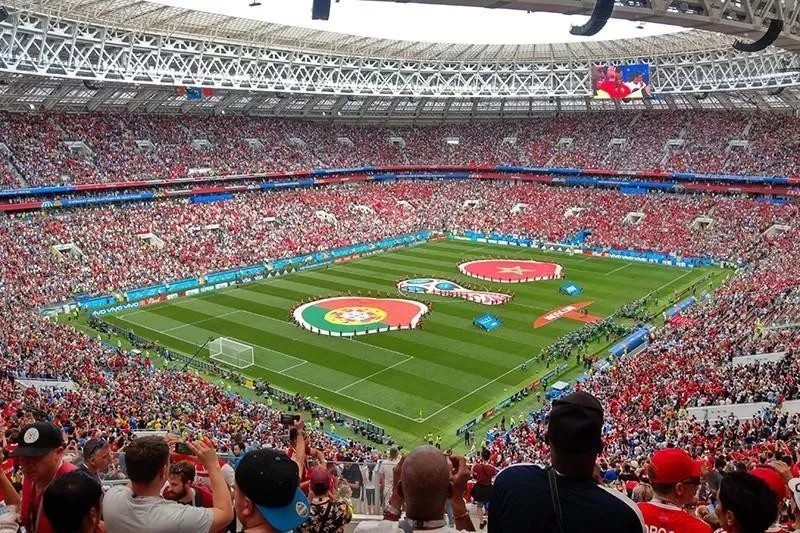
<point>11,165</point>
<point>634,120</point>
<point>747,128</point>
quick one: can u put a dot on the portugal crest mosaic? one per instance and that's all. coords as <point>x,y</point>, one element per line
<point>346,316</point>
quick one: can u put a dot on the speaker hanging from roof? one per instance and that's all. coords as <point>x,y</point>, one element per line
<point>769,37</point>
<point>321,9</point>
<point>600,15</point>
<point>3,13</point>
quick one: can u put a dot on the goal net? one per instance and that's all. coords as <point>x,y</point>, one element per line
<point>231,352</point>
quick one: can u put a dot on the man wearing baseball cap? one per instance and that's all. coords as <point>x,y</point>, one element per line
<point>675,478</point>
<point>40,453</point>
<point>563,498</point>
<point>267,495</point>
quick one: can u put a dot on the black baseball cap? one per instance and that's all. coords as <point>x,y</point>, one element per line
<point>38,439</point>
<point>272,482</point>
<point>576,424</point>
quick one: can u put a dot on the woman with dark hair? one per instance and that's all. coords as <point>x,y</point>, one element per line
<point>484,473</point>
<point>328,514</point>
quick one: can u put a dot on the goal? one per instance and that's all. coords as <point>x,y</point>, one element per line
<point>231,352</point>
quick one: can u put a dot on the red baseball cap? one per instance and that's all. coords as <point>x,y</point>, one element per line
<point>673,465</point>
<point>773,480</point>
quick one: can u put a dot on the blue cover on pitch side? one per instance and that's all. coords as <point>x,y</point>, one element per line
<point>487,322</point>
<point>571,289</point>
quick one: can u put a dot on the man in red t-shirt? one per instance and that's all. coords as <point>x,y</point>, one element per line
<point>675,478</point>
<point>41,453</point>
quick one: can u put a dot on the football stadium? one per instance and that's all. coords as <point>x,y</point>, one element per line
<point>377,265</point>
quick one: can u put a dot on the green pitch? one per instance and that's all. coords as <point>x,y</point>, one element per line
<point>410,382</point>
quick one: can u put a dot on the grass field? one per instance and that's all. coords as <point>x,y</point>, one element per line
<point>448,372</point>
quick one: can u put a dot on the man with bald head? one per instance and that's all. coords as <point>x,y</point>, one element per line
<point>423,482</point>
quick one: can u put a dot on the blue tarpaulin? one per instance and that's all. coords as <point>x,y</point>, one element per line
<point>680,307</point>
<point>631,342</point>
<point>571,289</point>
<point>488,322</point>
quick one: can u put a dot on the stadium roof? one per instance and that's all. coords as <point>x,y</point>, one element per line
<point>178,21</point>
<point>30,92</point>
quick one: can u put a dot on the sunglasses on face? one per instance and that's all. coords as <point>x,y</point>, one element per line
<point>89,451</point>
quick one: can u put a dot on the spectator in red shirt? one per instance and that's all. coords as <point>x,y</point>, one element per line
<point>41,453</point>
<point>181,488</point>
<point>484,473</point>
<point>676,479</point>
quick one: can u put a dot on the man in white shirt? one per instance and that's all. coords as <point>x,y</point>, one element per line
<point>423,482</point>
<point>139,507</point>
<point>387,476</point>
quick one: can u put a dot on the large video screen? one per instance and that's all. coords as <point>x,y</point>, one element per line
<point>620,82</point>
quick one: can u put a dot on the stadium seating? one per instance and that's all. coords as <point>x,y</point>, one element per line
<point>645,397</point>
<point>123,147</point>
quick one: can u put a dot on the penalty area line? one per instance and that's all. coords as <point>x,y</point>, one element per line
<point>316,385</point>
<point>375,374</point>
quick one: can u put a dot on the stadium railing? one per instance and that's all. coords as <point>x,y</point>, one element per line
<point>364,502</point>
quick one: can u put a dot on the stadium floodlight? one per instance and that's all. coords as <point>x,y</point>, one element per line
<point>597,21</point>
<point>770,36</point>
<point>230,352</point>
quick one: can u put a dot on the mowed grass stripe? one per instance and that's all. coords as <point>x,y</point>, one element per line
<point>441,395</point>
<point>390,377</point>
<point>222,303</point>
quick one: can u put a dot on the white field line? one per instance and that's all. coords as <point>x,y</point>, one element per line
<point>667,284</point>
<point>301,363</point>
<point>198,322</point>
<point>498,378</point>
<point>618,269</point>
<point>375,374</point>
<point>402,354</point>
<point>317,385</point>
<point>167,332</point>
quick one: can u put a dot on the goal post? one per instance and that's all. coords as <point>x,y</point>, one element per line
<point>230,352</point>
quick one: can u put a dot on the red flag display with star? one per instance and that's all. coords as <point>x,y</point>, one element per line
<point>511,270</point>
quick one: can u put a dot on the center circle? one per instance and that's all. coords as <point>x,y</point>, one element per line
<point>355,316</point>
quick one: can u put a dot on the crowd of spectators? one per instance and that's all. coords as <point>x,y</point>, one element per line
<point>689,363</point>
<point>117,247</point>
<point>54,149</point>
<point>645,398</point>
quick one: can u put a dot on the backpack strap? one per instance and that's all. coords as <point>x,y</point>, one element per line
<point>554,499</point>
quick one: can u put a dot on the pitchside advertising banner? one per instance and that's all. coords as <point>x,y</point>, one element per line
<point>217,280</point>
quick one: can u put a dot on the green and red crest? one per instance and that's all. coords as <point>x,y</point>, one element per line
<point>346,316</point>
